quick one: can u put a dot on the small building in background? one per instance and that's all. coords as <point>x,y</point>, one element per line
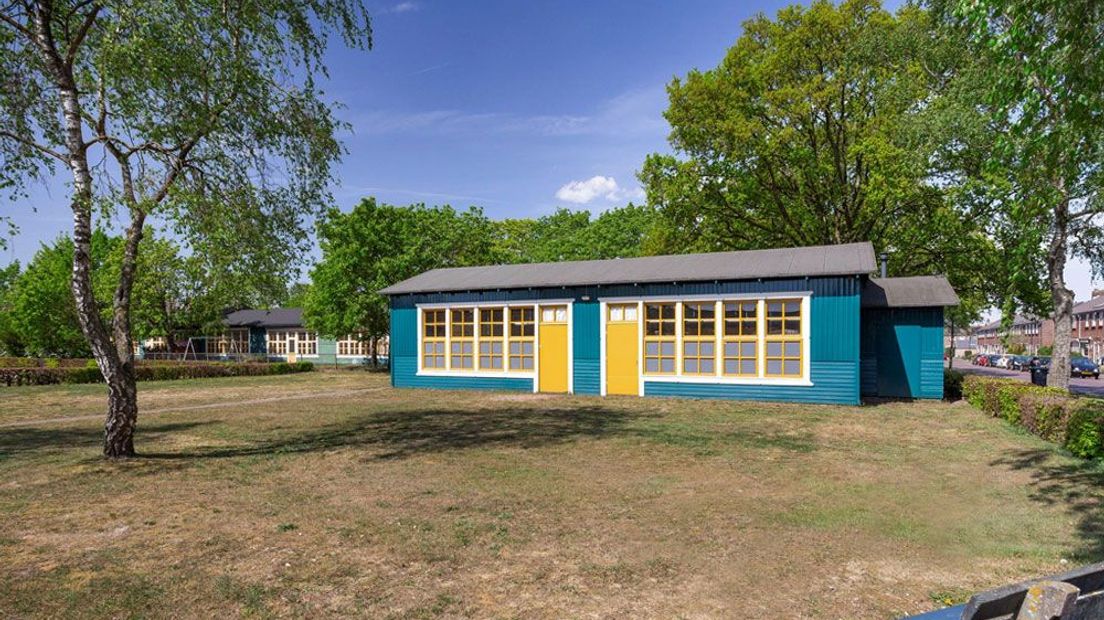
<point>272,335</point>
<point>803,324</point>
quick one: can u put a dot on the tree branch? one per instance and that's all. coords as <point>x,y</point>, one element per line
<point>45,150</point>
<point>86,25</point>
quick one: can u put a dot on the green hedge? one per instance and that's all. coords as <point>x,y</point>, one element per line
<point>1051,413</point>
<point>157,372</point>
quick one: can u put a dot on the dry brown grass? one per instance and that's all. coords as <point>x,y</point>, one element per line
<point>353,498</point>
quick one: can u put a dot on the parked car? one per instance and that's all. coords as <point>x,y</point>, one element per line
<point>1001,361</point>
<point>1019,362</point>
<point>977,361</point>
<point>1084,367</point>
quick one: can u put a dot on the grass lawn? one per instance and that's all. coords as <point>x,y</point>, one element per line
<point>349,497</point>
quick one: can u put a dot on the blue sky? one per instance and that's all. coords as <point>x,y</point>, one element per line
<point>513,106</point>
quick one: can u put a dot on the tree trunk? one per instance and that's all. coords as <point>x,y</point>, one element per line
<point>375,352</point>
<point>122,407</point>
<point>1060,294</point>
<point>950,358</point>
<point>122,413</point>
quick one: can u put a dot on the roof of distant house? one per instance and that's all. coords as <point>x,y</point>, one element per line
<point>909,292</point>
<point>277,317</point>
<point>824,260</point>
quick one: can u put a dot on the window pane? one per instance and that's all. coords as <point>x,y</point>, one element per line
<point>731,349</point>
<point>496,347</point>
<point>617,313</point>
<point>515,363</point>
<point>707,349</point>
<point>561,314</point>
<point>651,349</point>
<point>468,347</point>
<point>730,367</point>
<point>793,308</point>
<point>651,312</point>
<point>747,367</point>
<point>774,349</point>
<point>515,348</point>
<point>527,348</point>
<point>484,361</point>
<point>793,327</point>
<point>667,365</point>
<point>528,331</point>
<point>793,349</point>
<point>527,363</point>
<point>747,349</point>
<point>793,367</point>
<point>651,365</point>
<point>651,329</point>
<point>774,327</point>
<point>707,328</point>
<point>707,366</point>
<point>774,367</point>
<point>667,349</point>
<point>774,309</point>
<point>691,365</point>
<point>690,348</point>
<point>547,314</point>
<point>668,329</point>
<point>630,313</point>
<point>668,311</point>
<point>690,329</point>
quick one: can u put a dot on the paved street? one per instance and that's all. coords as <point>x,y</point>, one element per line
<point>1090,386</point>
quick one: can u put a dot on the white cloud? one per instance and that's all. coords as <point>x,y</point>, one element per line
<point>404,7</point>
<point>584,192</point>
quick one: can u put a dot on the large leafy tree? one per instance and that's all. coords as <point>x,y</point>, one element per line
<point>817,128</point>
<point>201,112</point>
<point>373,246</point>
<point>574,235</point>
<point>42,313</point>
<point>10,342</point>
<point>1047,88</point>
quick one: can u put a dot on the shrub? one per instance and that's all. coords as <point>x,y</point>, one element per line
<point>1083,431</point>
<point>159,372</point>
<point>1008,395</point>
<point>952,384</point>
<point>1077,423</point>
<point>981,392</point>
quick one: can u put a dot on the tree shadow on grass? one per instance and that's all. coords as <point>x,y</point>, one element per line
<point>405,433</point>
<point>33,439</point>
<point>1077,486</point>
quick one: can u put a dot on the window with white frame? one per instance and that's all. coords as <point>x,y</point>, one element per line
<point>480,338</point>
<point>234,341</point>
<point>729,339</point>
<point>353,345</point>
<point>277,341</point>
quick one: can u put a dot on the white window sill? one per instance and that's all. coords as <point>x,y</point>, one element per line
<point>765,381</point>
<point>482,374</point>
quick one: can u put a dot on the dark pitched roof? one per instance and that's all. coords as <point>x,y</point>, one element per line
<point>1089,305</point>
<point>825,260</point>
<point>911,292</point>
<point>277,317</point>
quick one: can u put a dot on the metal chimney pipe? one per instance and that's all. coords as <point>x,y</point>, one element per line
<point>884,257</point>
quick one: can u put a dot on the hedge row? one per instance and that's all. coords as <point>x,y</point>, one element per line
<point>43,362</point>
<point>159,372</point>
<point>1051,413</point>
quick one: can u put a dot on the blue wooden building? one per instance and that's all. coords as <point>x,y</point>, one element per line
<point>796,324</point>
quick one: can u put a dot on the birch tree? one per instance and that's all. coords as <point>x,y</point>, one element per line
<point>206,114</point>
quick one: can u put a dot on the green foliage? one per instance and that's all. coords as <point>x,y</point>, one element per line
<point>1008,399</point>
<point>623,232</point>
<point>952,384</point>
<point>1016,348</point>
<point>819,127</point>
<point>1046,350</point>
<point>373,246</point>
<point>42,312</point>
<point>10,342</point>
<point>148,372</point>
<point>1049,412</point>
<point>1083,434</point>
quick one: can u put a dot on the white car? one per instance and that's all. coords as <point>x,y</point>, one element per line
<point>1002,361</point>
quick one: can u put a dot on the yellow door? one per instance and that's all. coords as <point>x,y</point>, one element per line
<point>553,349</point>
<point>622,349</point>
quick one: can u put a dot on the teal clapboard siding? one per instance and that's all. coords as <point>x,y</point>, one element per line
<point>404,362</point>
<point>902,352</point>
<point>833,339</point>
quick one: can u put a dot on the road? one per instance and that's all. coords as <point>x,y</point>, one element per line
<point>1089,386</point>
